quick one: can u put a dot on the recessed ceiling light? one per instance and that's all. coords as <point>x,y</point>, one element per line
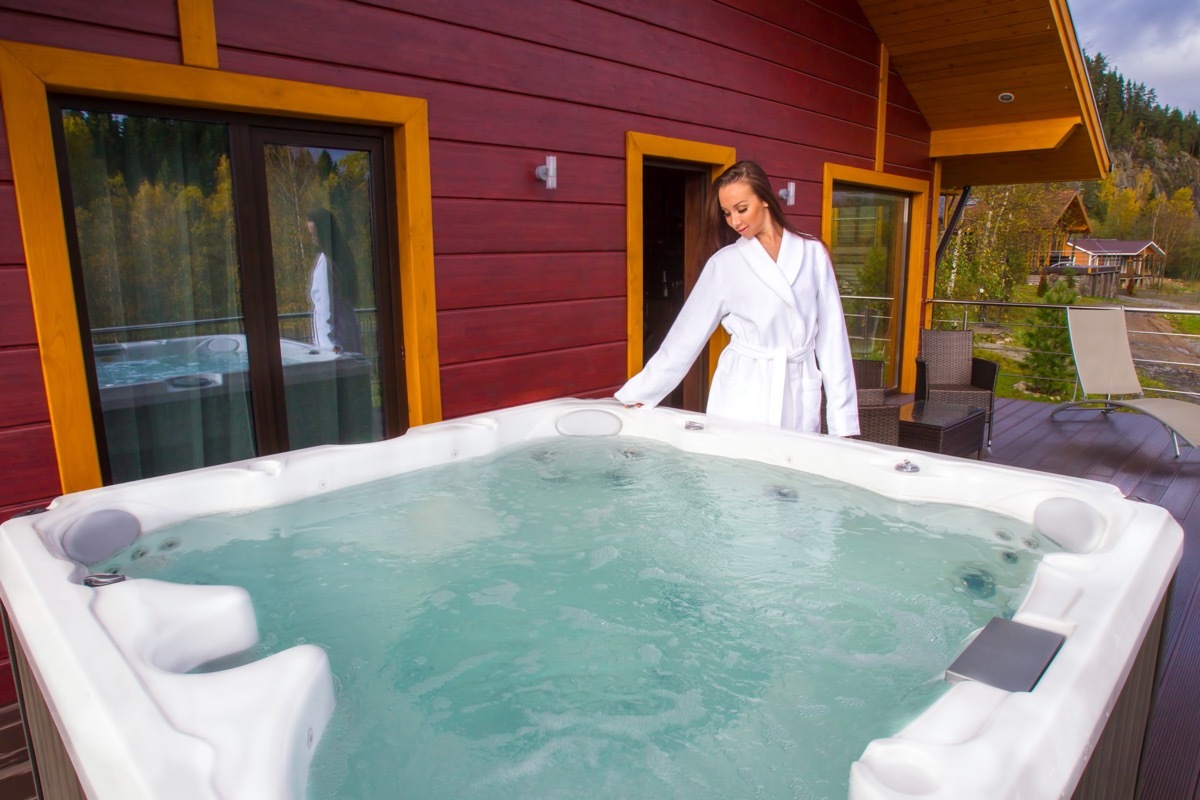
<point>1006,97</point>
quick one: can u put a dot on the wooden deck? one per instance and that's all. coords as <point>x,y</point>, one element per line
<point>1128,450</point>
<point>1135,454</point>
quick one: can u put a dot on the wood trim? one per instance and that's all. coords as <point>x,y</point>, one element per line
<point>934,240</point>
<point>197,33</point>
<point>418,299</point>
<point>48,265</point>
<point>1082,84</point>
<point>637,147</point>
<point>881,108</point>
<point>1016,137</point>
<point>29,72</point>
<point>918,237</point>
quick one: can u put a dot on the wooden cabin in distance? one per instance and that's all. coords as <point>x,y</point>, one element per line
<point>150,148</point>
<point>1130,263</point>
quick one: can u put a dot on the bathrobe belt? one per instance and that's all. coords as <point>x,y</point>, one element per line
<point>779,358</point>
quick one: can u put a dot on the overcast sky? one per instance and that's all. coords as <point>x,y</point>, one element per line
<point>1155,42</point>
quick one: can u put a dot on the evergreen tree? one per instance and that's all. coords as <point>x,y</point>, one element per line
<point>1048,362</point>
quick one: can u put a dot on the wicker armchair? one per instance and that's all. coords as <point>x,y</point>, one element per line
<point>877,420</point>
<point>949,372</point>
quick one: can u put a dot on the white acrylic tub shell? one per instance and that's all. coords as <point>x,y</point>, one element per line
<point>111,660</point>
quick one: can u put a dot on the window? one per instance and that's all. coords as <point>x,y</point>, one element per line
<point>231,281</point>
<point>876,226</point>
<point>870,250</point>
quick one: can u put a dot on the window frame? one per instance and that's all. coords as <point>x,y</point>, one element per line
<point>30,73</point>
<point>918,233</point>
<point>247,133</point>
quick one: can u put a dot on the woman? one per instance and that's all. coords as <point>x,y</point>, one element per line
<point>774,291</point>
<point>332,288</point>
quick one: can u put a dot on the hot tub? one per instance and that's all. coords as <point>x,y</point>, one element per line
<point>116,663</point>
<point>176,404</point>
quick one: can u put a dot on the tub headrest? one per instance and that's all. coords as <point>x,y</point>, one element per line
<point>588,422</point>
<point>99,534</point>
<point>1072,524</point>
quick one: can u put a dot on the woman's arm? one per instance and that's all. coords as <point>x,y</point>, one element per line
<point>704,308</point>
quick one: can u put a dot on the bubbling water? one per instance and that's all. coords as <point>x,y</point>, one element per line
<point>608,618</point>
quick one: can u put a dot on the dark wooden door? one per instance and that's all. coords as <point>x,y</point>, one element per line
<point>673,255</point>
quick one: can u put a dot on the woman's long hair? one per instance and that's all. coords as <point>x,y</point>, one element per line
<point>338,256</point>
<point>749,171</point>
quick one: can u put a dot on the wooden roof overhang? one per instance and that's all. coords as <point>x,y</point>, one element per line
<point>1074,218</point>
<point>957,57</point>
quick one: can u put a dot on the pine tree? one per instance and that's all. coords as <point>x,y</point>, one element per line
<point>1048,362</point>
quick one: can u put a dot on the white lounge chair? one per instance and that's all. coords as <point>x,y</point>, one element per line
<point>1100,344</point>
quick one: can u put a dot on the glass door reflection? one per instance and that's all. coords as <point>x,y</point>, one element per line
<point>323,254</point>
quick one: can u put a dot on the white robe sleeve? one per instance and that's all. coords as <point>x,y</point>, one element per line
<point>318,293</point>
<point>833,353</point>
<point>698,318</point>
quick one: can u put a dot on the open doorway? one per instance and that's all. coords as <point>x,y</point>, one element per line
<point>673,195</point>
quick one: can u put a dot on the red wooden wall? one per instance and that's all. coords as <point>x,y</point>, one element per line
<point>530,282</point>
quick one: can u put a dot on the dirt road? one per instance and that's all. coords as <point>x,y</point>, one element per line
<point>1151,338</point>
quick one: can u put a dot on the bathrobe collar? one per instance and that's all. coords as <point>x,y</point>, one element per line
<point>778,275</point>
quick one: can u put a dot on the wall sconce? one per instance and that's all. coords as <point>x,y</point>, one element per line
<point>548,172</point>
<point>788,195</point>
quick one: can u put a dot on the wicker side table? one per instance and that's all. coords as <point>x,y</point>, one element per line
<point>947,428</point>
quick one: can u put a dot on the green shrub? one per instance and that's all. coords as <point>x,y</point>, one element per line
<point>1049,364</point>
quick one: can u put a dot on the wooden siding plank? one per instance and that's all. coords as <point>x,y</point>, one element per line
<point>486,385</point>
<point>488,333</point>
<point>831,116</point>
<point>158,18</point>
<point>480,226</point>
<point>16,309</point>
<point>505,173</point>
<point>5,164</point>
<point>471,114</point>
<point>30,467</point>
<point>843,53</point>
<point>91,38</point>
<point>901,154</point>
<point>12,252</point>
<point>480,280</point>
<point>907,124</point>
<point>591,30</point>
<point>847,32</point>
<point>23,401</point>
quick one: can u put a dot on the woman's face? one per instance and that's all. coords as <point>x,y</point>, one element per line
<point>746,212</point>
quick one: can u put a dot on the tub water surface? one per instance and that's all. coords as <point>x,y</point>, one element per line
<point>570,593</point>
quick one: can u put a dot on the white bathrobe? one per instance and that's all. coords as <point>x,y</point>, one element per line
<point>783,319</point>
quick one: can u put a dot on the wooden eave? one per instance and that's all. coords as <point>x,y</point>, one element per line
<point>956,57</point>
